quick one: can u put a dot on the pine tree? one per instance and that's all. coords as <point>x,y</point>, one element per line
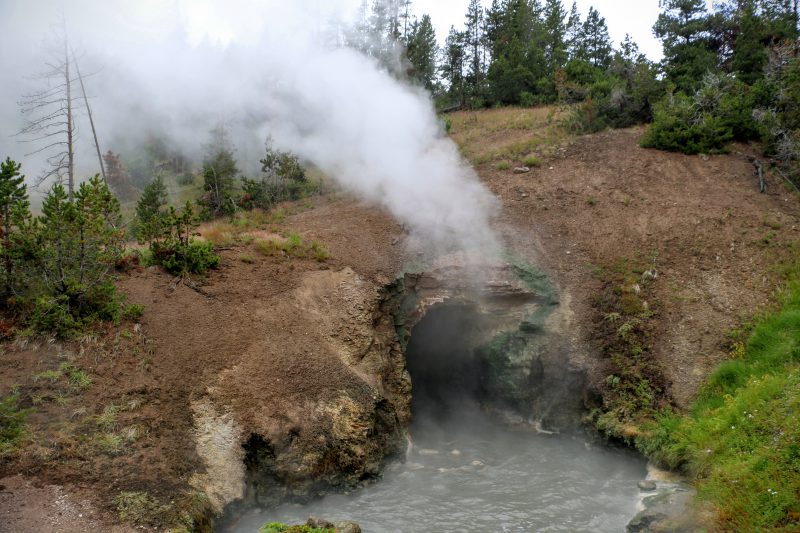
<point>78,246</point>
<point>219,174</point>
<point>15,210</point>
<point>473,40</point>
<point>689,53</point>
<point>452,67</point>
<point>555,30</point>
<point>749,54</point>
<point>150,210</point>
<point>517,58</point>
<point>422,52</point>
<point>572,31</point>
<point>594,42</point>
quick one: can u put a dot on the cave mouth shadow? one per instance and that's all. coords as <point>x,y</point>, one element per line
<point>442,361</point>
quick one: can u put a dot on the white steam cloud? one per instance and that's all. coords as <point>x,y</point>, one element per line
<point>182,66</point>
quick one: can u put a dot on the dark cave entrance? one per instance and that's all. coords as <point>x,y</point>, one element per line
<point>442,360</point>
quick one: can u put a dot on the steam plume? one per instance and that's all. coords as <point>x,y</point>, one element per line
<point>336,108</point>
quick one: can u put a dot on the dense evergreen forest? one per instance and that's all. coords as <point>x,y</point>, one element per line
<point>730,73</point>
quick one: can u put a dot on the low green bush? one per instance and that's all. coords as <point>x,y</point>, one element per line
<point>179,258</point>
<point>176,250</point>
<point>719,112</point>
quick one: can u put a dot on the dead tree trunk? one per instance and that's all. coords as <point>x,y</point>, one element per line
<point>70,124</point>
<point>91,121</point>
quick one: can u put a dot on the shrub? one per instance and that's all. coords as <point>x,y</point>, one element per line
<point>677,128</point>
<point>177,251</point>
<point>178,258</point>
<point>12,423</point>
<point>447,124</point>
<point>527,99</point>
<point>720,111</point>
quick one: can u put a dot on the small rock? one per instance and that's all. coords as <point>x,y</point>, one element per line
<point>313,521</point>
<point>395,241</point>
<point>346,527</point>
<point>647,485</point>
<point>521,170</point>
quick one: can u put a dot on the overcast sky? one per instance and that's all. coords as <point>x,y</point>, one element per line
<point>155,55</point>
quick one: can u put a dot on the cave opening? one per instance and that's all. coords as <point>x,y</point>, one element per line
<point>442,361</point>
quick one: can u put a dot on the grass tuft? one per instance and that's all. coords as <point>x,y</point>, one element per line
<point>292,245</point>
<point>532,161</point>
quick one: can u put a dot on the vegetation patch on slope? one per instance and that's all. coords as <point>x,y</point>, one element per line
<point>740,441</point>
<point>634,388</point>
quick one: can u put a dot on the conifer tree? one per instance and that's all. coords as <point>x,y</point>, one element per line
<point>572,31</point>
<point>683,27</point>
<point>554,34</point>
<point>594,42</point>
<point>421,51</point>
<point>452,68</point>
<point>473,40</point>
<point>15,211</point>
<point>219,173</point>
<point>150,210</point>
<point>118,178</point>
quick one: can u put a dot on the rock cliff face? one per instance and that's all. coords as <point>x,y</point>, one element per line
<point>512,333</point>
<point>350,400</point>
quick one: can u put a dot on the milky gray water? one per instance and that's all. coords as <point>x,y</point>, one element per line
<point>467,474</point>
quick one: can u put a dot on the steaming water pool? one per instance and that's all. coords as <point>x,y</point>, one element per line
<point>467,474</point>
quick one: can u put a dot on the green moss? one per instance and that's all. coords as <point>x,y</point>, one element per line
<point>634,389</point>
<point>277,527</point>
<point>505,363</point>
<point>190,512</point>
<point>534,279</point>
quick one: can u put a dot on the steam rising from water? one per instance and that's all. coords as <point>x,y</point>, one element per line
<point>382,139</point>
<point>182,66</point>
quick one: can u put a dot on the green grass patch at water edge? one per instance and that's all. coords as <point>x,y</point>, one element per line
<point>740,442</point>
<point>277,527</point>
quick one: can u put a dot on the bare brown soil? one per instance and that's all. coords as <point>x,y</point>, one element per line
<point>266,335</point>
<point>714,240</point>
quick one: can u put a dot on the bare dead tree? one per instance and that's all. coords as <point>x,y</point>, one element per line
<point>50,120</point>
<point>91,119</point>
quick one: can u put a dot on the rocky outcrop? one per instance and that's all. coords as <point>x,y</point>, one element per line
<point>516,334</point>
<point>330,414</point>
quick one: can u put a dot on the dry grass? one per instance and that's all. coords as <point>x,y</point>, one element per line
<point>508,134</point>
<point>291,245</point>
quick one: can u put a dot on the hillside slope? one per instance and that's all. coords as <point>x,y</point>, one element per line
<point>289,348</point>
